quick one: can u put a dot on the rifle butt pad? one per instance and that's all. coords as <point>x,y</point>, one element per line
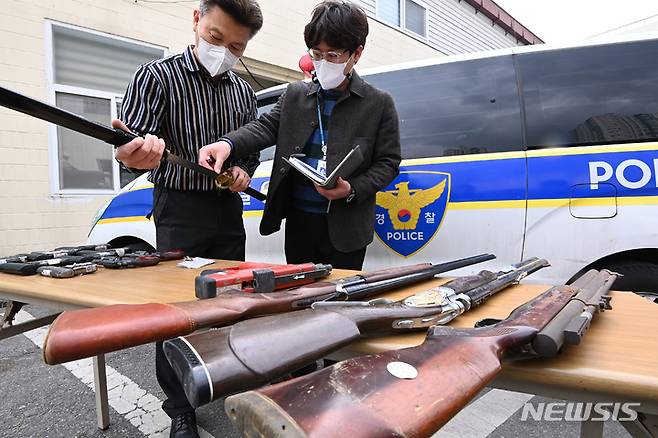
<point>260,417</point>
<point>89,332</point>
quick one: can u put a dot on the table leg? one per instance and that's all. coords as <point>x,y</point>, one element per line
<point>100,384</point>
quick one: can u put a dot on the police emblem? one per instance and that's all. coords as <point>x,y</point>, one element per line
<point>411,209</point>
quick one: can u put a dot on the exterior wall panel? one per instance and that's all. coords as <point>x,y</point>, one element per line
<point>454,27</point>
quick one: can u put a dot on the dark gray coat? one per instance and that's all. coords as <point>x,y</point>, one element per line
<point>365,116</point>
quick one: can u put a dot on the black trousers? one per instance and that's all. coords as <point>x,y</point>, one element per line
<point>203,224</point>
<point>307,240</point>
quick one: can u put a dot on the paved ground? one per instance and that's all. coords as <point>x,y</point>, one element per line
<point>58,401</point>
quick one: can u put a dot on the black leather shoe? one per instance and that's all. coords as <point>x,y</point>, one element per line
<point>184,426</point>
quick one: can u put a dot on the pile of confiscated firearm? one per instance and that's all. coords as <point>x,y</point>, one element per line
<point>67,262</point>
<point>405,393</point>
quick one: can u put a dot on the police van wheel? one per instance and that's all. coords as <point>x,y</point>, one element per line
<point>639,276</point>
<point>139,246</point>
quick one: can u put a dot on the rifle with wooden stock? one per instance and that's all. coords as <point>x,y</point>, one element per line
<point>83,333</point>
<point>248,354</point>
<point>414,391</point>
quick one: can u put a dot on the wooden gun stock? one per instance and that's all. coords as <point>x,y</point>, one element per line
<point>370,397</point>
<point>89,332</point>
<point>251,353</point>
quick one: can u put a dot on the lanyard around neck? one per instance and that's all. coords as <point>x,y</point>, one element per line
<point>324,144</point>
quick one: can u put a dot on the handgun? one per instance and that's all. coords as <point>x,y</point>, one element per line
<point>67,271</point>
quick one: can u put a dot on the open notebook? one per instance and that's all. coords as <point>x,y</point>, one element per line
<point>345,168</point>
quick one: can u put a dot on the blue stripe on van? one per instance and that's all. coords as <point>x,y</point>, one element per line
<point>550,177</point>
<point>139,202</point>
<point>481,180</point>
<point>133,203</point>
<point>554,177</point>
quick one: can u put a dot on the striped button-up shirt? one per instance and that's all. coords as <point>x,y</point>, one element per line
<point>176,99</point>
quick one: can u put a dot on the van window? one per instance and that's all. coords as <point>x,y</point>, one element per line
<point>591,95</point>
<point>468,107</point>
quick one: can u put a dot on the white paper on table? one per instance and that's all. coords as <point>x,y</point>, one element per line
<point>195,262</point>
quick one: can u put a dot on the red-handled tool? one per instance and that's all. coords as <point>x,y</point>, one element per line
<point>257,277</point>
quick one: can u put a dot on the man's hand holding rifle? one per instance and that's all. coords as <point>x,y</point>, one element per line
<point>146,153</point>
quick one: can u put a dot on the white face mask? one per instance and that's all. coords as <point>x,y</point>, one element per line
<point>330,75</point>
<point>215,59</point>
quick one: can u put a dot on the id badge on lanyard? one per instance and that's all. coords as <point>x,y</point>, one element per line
<point>322,167</point>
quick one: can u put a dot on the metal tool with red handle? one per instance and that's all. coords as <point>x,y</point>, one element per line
<point>257,277</point>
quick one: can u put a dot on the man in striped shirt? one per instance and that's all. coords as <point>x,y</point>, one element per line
<point>182,103</point>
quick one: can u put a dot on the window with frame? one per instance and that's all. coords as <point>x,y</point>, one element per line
<point>591,95</point>
<point>90,72</point>
<point>460,108</point>
<point>407,14</point>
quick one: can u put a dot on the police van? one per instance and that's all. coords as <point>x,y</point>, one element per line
<point>530,151</point>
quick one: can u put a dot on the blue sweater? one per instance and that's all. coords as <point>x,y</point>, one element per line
<point>305,196</point>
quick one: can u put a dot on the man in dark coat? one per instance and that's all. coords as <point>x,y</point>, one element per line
<point>324,120</point>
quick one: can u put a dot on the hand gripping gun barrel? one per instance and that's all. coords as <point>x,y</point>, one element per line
<point>113,136</point>
<point>410,392</point>
<point>89,332</point>
<point>251,353</point>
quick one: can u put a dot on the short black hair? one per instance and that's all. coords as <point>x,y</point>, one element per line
<point>245,12</point>
<point>341,24</point>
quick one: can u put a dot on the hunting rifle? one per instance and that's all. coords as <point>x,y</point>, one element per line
<point>414,391</point>
<point>249,354</point>
<point>113,136</point>
<point>83,333</point>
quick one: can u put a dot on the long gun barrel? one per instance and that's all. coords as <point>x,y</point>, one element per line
<point>117,137</point>
<point>90,332</point>
<point>405,393</point>
<point>250,353</point>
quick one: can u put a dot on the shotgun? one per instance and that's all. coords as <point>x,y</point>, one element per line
<point>410,392</point>
<point>114,136</point>
<point>89,332</point>
<point>249,354</point>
